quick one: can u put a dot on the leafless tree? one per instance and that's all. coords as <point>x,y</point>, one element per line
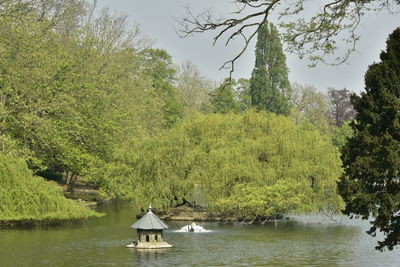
<point>340,107</point>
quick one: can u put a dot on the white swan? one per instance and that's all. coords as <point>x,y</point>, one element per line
<point>193,228</point>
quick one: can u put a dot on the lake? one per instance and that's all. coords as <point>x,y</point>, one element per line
<point>311,240</point>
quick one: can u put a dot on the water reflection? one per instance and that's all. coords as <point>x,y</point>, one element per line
<point>301,241</point>
<point>153,257</point>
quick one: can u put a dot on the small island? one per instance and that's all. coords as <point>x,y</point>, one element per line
<point>149,232</point>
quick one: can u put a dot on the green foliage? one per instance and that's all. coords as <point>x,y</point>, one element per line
<point>159,69</point>
<point>370,185</point>
<point>223,99</point>
<point>310,106</point>
<point>342,134</point>
<point>248,164</point>
<point>269,84</point>
<point>70,102</point>
<point>248,201</point>
<point>74,87</point>
<point>242,89</point>
<point>28,198</point>
<point>230,96</point>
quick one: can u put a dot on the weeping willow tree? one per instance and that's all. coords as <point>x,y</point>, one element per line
<point>25,198</point>
<point>252,164</point>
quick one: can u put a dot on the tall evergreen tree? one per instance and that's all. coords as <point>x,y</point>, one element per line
<point>269,84</point>
<point>370,185</point>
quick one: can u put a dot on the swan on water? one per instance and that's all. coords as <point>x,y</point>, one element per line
<point>193,227</point>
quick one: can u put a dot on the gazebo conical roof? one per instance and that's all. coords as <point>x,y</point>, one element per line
<point>150,222</point>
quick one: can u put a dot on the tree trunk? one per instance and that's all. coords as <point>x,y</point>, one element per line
<point>71,184</point>
<point>66,177</point>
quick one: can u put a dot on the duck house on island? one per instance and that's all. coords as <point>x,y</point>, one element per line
<point>149,232</point>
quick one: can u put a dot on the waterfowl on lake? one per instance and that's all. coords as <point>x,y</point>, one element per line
<point>193,228</point>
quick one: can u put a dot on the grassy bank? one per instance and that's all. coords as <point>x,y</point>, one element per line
<point>26,199</point>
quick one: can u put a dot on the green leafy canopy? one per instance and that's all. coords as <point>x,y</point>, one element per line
<point>247,164</point>
<point>371,158</point>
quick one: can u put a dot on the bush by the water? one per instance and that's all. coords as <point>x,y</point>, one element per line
<point>248,164</point>
<point>26,198</point>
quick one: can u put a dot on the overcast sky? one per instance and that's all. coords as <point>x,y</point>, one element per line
<point>156,19</point>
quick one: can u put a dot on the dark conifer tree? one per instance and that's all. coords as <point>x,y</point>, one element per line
<point>269,84</point>
<point>370,185</point>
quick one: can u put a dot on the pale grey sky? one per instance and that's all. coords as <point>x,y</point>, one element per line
<point>156,19</point>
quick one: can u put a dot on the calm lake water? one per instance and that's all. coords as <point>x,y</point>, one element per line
<point>301,241</point>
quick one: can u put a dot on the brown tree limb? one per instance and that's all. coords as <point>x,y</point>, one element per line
<point>315,37</point>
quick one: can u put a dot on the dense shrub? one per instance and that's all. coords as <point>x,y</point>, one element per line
<point>28,198</point>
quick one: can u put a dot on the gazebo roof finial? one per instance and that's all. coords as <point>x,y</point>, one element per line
<point>149,221</point>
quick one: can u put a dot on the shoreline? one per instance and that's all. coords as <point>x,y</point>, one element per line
<point>200,214</point>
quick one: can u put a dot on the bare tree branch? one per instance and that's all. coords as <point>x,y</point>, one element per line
<point>314,37</point>
<point>230,27</point>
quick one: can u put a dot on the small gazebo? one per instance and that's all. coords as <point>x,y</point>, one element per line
<point>149,232</point>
